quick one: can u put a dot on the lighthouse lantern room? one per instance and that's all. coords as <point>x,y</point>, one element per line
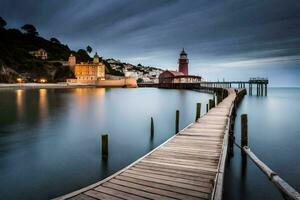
<point>183,63</point>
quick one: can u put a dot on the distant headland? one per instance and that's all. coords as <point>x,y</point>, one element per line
<point>27,57</point>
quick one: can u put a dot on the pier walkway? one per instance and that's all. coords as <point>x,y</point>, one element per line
<point>190,165</point>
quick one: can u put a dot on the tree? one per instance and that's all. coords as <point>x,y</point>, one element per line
<point>54,40</point>
<point>30,29</point>
<point>82,56</point>
<point>140,80</point>
<point>2,23</point>
<point>89,49</point>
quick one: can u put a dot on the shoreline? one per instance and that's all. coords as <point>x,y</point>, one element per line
<point>56,86</point>
<point>42,85</point>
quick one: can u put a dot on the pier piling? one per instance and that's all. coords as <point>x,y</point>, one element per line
<point>211,104</point>
<point>214,101</point>
<point>244,131</point>
<point>104,146</point>
<point>152,127</point>
<point>219,99</point>
<point>177,122</point>
<point>198,111</point>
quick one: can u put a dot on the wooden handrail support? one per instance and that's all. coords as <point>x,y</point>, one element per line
<point>286,190</point>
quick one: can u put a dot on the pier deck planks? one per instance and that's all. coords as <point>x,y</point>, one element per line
<point>184,167</point>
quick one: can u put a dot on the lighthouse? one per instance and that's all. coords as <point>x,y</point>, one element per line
<point>183,63</point>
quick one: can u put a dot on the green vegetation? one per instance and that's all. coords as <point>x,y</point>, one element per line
<point>30,29</point>
<point>89,49</point>
<point>2,23</point>
<point>54,40</point>
<point>15,47</point>
<point>16,61</point>
<point>139,80</point>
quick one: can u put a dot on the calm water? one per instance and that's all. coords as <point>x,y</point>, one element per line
<point>274,136</point>
<point>50,139</point>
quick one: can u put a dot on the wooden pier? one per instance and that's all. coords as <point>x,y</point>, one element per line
<point>189,165</point>
<point>261,85</point>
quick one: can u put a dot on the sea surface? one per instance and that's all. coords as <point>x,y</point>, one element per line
<point>274,136</point>
<point>50,138</point>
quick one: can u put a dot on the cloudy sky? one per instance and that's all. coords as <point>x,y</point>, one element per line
<point>231,39</point>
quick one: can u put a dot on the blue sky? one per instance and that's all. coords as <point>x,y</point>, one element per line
<point>231,39</point>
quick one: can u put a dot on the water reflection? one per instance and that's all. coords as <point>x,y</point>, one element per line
<point>43,104</point>
<point>78,118</point>
<point>20,104</point>
<point>100,92</point>
<point>243,180</point>
<point>273,131</point>
<point>81,98</point>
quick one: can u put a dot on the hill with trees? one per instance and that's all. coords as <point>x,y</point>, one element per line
<point>16,61</point>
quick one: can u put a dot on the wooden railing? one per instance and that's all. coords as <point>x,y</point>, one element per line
<point>287,191</point>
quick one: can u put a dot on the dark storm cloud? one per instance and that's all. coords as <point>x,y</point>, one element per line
<point>215,33</point>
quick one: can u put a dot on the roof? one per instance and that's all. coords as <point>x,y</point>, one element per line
<point>96,55</point>
<point>168,73</point>
<point>189,76</point>
<point>183,52</point>
<point>41,49</point>
<point>176,73</point>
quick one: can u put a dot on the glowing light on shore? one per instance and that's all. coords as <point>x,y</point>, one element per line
<point>43,103</point>
<point>42,80</point>
<point>19,80</point>
<point>20,103</point>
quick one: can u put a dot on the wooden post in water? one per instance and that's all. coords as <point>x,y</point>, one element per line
<point>177,122</point>
<point>221,96</point>
<point>259,89</point>
<point>198,111</point>
<point>207,108</point>
<point>249,89</point>
<point>218,98</point>
<point>210,104</point>
<point>152,127</point>
<point>244,131</point>
<point>104,139</point>
<point>214,101</point>
<point>266,89</point>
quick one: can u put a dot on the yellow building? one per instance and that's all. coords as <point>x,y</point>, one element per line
<point>88,72</point>
<point>93,73</point>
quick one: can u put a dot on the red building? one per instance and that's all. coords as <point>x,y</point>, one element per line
<point>181,76</point>
<point>183,63</point>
